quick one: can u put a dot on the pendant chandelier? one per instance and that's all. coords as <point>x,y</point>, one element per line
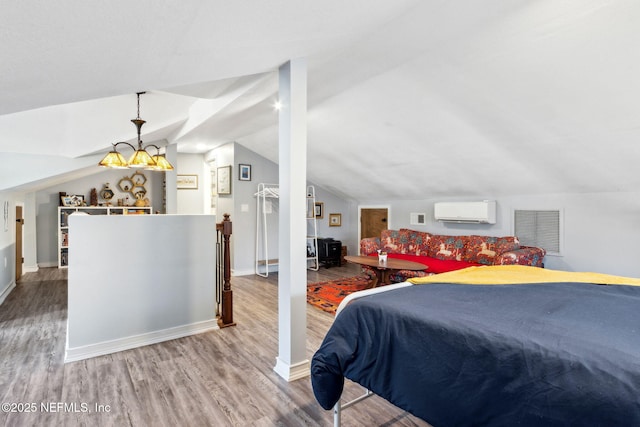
<point>141,157</point>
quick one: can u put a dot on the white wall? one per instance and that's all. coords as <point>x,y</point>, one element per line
<point>245,205</point>
<point>8,238</point>
<point>7,243</point>
<point>334,204</point>
<point>192,201</point>
<point>30,242</point>
<point>242,204</point>
<point>19,169</point>
<point>138,279</point>
<point>600,230</point>
<point>225,156</point>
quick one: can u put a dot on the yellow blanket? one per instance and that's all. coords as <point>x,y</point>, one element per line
<point>517,274</point>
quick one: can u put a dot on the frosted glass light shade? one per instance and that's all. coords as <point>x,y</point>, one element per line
<point>162,164</point>
<point>141,159</point>
<point>115,160</point>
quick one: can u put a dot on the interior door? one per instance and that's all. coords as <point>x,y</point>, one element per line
<point>373,221</point>
<point>19,225</point>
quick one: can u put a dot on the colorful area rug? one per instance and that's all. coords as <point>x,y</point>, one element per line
<point>327,295</point>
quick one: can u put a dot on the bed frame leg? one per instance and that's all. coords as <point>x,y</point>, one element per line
<point>336,414</point>
<point>337,408</point>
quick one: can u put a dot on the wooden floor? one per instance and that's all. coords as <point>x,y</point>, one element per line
<point>219,378</point>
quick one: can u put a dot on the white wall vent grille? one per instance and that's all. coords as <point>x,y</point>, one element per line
<point>416,218</point>
<point>539,228</point>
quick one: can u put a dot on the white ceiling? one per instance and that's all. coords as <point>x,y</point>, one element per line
<point>408,99</point>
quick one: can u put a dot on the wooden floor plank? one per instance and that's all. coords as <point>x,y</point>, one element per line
<point>218,378</point>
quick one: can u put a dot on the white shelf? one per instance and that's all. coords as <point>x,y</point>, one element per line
<point>312,230</point>
<point>63,224</point>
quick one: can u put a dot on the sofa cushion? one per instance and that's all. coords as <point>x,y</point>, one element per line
<point>418,242</point>
<point>369,245</point>
<point>438,266</point>
<point>395,241</point>
<point>434,265</point>
<point>447,247</point>
<point>485,249</point>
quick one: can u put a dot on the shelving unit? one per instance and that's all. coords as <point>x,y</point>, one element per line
<point>63,223</point>
<point>312,230</point>
<point>268,194</point>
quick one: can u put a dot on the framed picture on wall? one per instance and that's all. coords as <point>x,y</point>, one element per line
<point>224,180</point>
<point>77,200</point>
<point>244,172</point>
<point>187,182</point>
<point>214,187</point>
<point>335,220</point>
<point>319,210</point>
<point>6,215</point>
<point>72,200</point>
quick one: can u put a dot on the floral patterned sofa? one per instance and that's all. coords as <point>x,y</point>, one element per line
<point>447,253</point>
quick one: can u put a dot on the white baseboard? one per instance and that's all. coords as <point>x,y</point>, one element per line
<point>29,268</point>
<point>251,272</point>
<point>47,264</point>
<point>5,293</point>
<point>127,343</point>
<point>292,372</point>
<point>243,272</point>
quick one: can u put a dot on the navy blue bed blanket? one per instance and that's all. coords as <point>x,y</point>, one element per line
<point>564,354</point>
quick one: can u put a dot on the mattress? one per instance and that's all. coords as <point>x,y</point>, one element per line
<point>528,354</point>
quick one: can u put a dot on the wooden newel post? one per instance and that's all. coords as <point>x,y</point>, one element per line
<point>226,318</point>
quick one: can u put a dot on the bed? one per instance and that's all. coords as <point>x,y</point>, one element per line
<point>499,346</point>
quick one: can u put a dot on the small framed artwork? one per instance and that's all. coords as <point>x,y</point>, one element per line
<point>77,200</point>
<point>319,210</point>
<point>224,180</point>
<point>214,188</point>
<point>244,172</point>
<point>66,200</point>
<point>6,215</point>
<point>335,220</point>
<point>72,201</point>
<point>187,182</point>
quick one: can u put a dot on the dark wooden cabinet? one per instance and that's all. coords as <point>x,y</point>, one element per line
<point>329,252</point>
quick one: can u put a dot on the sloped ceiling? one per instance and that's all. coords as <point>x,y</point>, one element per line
<point>407,99</point>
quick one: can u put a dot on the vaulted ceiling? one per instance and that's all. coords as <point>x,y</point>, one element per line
<point>408,99</point>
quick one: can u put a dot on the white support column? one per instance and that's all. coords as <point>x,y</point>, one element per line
<point>292,363</point>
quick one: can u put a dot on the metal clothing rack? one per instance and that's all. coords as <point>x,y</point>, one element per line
<point>266,194</point>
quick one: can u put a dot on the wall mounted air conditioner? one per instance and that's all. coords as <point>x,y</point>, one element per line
<point>483,212</point>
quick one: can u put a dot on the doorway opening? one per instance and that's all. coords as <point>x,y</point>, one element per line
<point>19,238</point>
<point>373,219</point>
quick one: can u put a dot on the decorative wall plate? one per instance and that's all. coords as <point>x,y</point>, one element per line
<point>138,179</point>
<point>134,185</point>
<point>125,184</point>
<point>106,193</point>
